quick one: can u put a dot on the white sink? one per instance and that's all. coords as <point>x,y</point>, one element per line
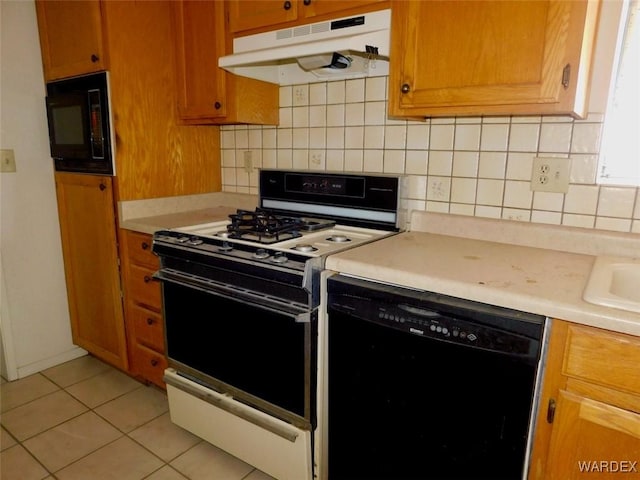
<point>615,282</point>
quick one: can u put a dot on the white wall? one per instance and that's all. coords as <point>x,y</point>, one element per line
<point>34,316</point>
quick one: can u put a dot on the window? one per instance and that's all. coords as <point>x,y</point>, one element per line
<point>619,161</point>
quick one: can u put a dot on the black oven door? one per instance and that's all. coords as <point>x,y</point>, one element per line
<point>261,356</point>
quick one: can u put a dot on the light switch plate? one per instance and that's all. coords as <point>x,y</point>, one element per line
<point>550,174</point>
<point>7,161</point>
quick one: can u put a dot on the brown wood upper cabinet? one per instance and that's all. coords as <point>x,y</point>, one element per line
<point>493,57</point>
<point>254,15</point>
<point>208,94</point>
<point>71,38</point>
<point>156,156</point>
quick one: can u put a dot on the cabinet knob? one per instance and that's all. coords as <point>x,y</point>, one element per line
<point>145,246</point>
<point>150,321</point>
<point>102,187</point>
<point>147,279</point>
<point>217,105</point>
<point>154,362</point>
<point>307,2</point>
<point>405,88</point>
<point>94,58</point>
<point>287,5</point>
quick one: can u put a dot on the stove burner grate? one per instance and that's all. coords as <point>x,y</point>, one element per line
<point>263,226</point>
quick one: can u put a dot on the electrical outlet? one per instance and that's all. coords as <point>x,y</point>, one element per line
<point>316,158</point>
<point>248,161</point>
<point>7,161</point>
<point>300,95</point>
<point>550,174</point>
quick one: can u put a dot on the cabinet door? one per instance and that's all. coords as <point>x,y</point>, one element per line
<point>490,57</point>
<point>591,439</point>
<point>71,37</point>
<point>207,94</point>
<point>89,245</point>
<point>313,8</point>
<point>247,15</point>
<point>200,41</point>
<point>155,156</point>
<point>251,14</point>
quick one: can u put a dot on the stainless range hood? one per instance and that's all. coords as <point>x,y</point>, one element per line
<point>347,47</point>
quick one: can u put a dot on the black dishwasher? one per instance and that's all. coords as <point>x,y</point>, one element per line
<point>427,386</point>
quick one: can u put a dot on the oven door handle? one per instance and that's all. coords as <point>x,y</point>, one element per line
<point>300,313</point>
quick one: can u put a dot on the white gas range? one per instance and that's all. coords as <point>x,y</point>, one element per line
<point>249,288</point>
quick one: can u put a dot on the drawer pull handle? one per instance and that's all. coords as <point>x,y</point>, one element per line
<point>150,321</point>
<point>154,362</point>
<point>145,246</point>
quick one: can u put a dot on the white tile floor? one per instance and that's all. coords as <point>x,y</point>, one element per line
<point>86,420</point>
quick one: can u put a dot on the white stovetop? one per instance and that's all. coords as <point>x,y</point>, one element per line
<point>534,275</point>
<point>320,240</point>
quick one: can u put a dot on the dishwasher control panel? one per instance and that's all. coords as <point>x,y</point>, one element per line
<point>435,325</point>
<point>437,316</point>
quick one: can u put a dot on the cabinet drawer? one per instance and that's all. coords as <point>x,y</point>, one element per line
<point>148,364</point>
<point>140,249</point>
<point>591,353</point>
<point>143,288</point>
<point>147,326</point>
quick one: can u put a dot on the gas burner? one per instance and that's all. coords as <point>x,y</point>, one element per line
<point>338,238</point>
<point>305,247</point>
<point>263,226</point>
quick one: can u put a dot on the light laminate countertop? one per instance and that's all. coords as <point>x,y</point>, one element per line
<point>535,279</point>
<point>529,267</point>
<point>149,216</point>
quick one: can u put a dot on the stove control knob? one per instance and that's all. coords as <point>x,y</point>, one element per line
<point>195,241</point>
<point>182,239</point>
<point>261,253</point>
<point>279,257</point>
<point>225,247</point>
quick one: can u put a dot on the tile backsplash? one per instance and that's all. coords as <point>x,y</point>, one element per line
<point>478,166</point>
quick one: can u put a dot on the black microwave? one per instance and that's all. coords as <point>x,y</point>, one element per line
<point>79,126</point>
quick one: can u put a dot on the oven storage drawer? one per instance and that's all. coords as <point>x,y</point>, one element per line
<point>193,408</point>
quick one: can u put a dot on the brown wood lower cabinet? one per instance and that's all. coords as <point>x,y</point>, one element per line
<point>143,303</point>
<point>589,416</point>
<point>89,246</point>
